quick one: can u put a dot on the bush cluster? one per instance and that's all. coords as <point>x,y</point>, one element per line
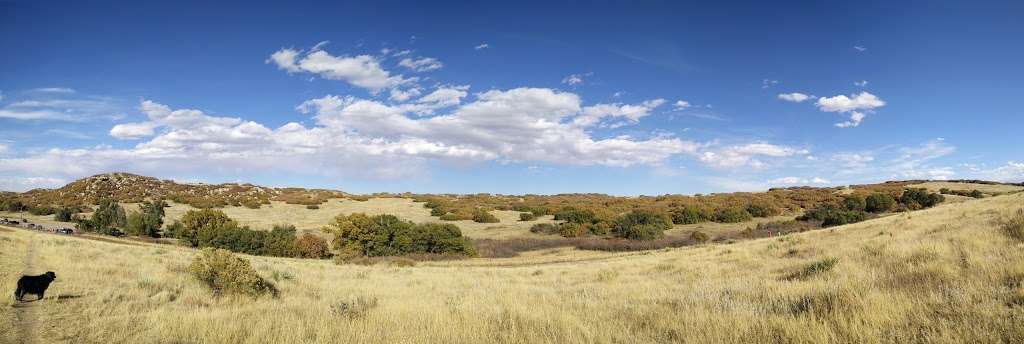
<point>687,215</point>
<point>527,216</point>
<point>642,225</point>
<point>732,215</point>
<point>148,221</point>
<point>973,193</point>
<point>212,228</point>
<point>484,216</point>
<point>879,202</point>
<point>915,199</point>
<point>226,273</point>
<point>831,215</point>
<point>108,218</point>
<point>387,235</point>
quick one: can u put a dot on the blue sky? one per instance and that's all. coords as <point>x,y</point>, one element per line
<point>621,98</point>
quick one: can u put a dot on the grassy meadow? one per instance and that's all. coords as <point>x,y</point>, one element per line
<point>942,275</point>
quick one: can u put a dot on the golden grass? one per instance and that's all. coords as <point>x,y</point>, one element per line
<point>986,188</point>
<point>941,275</point>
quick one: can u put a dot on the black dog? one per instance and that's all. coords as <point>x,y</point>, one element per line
<point>35,285</point>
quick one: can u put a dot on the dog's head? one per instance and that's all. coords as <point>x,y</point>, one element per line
<point>51,275</point>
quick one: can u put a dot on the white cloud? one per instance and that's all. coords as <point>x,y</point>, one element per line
<point>576,79</point>
<point>362,70</point>
<point>747,155</point>
<point>795,97</point>
<point>1,95</point>
<point>842,103</point>
<point>423,64</point>
<point>859,48</point>
<point>403,95</point>
<point>853,160</point>
<point>798,181</point>
<point>28,183</point>
<point>1012,171</point>
<point>766,83</point>
<point>855,118</point>
<point>862,83</point>
<point>680,105</point>
<point>131,131</point>
<point>482,46</point>
<point>366,137</point>
<point>53,90</point>
<point>58,106</point>
<point>628,114</point>
<point>857,105</point>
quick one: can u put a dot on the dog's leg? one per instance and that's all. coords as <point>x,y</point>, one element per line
<point>19,293</point>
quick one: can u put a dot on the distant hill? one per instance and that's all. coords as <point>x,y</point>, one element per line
<point>131,188</point>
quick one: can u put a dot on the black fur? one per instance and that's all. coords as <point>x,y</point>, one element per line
<point>35,285</point>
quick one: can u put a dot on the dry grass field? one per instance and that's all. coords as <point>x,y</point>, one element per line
<point>941,275</point>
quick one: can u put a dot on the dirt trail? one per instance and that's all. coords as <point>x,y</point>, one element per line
<point>26,312</point>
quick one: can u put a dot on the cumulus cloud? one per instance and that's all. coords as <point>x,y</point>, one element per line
<point>853,160</point>
<point>363,71</point>
<point>864,102</point>
<point>362,136</point>
<point>625,113</point>
<point>423,64</point>
<point>795,97</point>
<point>748,155</point>
<point>482,46</point>
<point>857,105</point>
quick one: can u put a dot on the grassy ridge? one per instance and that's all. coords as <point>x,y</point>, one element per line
<point>942,275</point>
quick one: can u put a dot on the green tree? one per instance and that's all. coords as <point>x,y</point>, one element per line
<point>855,202</point>
<point>879,202</point>
<point>642,225</point>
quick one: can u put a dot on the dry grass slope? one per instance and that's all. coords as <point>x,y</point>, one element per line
<point>948,274</point>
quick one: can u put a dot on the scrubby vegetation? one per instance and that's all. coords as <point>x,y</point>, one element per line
<point>108,218</point>
<point>642,225</point>
<point>975,193</point>
<point>226,273</point>
<point>387,235</point>
<point>214,229</point>
<point>147,222</point>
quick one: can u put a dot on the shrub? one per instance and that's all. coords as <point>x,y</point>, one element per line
<point>387,235</point>
<point>1014,226</point>
<point>642,225</point>
<point>226,273</point>
<point>879,202</point>
<point>600,228</point>
<point>855,202</point>
<point>483,216</point>
<point>312,246</point>
<point>732,215</point>
<point>64,214</point>
<point>527,217</point>
<point>449,217</point>
<point>763,210</point>
<point>205,221</point>
<point>977,194</point>
<point>281,242</point>
<point>312,207</point>
<point>832,215</point>
<point>690,215</point>
<point>544,228</point>
<point>699,236</point>
<point>920,198</point>
<point>574,215</point>
<point>147,222</point>
<point>572,229</point>
<point>109,214</point>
